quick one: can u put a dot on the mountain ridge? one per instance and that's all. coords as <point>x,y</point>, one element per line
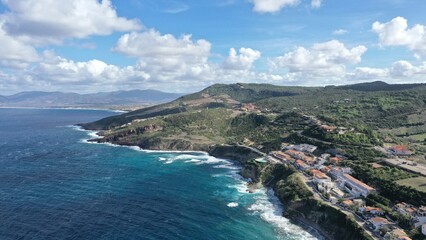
<point>101,99</point>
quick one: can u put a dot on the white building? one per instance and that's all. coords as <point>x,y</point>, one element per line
<point>303,148</point>
<point>354,186</point>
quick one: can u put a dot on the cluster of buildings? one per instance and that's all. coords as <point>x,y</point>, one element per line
<point>336,185</point>
<point>329,177</point>
<point>377,222</point>
<point>416,214</point>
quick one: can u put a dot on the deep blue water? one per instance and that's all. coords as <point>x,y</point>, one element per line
<point>54,185</point>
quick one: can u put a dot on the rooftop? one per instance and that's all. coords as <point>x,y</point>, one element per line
<point>379,220</point>
<point>358,182</point>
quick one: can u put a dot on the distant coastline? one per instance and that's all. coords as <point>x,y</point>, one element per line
<point>68,108</point>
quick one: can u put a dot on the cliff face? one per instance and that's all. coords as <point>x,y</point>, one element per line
<point>285,180</point>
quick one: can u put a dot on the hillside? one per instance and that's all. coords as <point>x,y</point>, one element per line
<point>94,100</point>
<point>358,122</point>
<point>263,115</point>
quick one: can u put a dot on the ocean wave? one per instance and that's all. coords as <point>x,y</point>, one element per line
<point>270,210</point>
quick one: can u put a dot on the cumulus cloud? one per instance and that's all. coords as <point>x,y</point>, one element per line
<point>271,6</point>
<point>165,56</point>
<point>328,58</point>
<point>14,52</point>
<point>51,21</point>
<point>397,33</point>
<point>399,72</point>
<point>243,60</point>
<point>367,73</point>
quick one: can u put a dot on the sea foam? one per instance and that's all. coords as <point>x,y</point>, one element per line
<point>270,210</point>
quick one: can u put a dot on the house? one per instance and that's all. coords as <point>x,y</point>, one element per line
<point>294,153</point>
<point>281,156</point>
<point>377,222</point>
<point>400,150</point>
<point>337,172</point>
<point>354,186</point>
<point>248,107</point>
<point>347,203</point>
<point>396,234</point>
<point>336,160</point>
<point>308,160</point>
<point>406,209</point>
<point>320,177</point>
<point>372,211</point>
<point>318,174</point>
<point>325,169</point>
<point>303,148</point>
<point>420,217</point>
<point>327,128</point>
<point>301,165</point>
<point>337,193</point>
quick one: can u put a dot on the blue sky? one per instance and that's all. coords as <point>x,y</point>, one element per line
<point>186,45</point>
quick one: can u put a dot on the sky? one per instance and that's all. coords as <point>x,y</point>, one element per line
<point>184,46</point>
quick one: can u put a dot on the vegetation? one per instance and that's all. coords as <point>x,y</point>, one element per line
<point>371,114</point>
<point>418,183</point>
<point>384,180</point>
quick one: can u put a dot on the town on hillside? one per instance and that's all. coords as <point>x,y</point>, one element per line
<point>332,182</point>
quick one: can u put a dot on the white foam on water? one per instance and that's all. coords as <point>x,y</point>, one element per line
<point>193,161</point>
<point>270,210</point>
<point>227,166</point>
<point>266,203</point>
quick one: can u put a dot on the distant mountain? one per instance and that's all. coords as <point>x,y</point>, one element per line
<point>380,86</point>
<point>94,100</point>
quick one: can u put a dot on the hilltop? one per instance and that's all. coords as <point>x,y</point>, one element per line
<point>263,114</point>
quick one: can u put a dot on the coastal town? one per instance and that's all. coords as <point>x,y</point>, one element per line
<point>333,183</point>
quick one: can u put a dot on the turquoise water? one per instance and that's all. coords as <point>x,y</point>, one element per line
<point>55,185</point>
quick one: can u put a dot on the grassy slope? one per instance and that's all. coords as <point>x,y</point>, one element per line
<point>283,108</point>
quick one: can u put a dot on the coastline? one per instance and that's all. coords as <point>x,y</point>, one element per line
<point>66,108</point>
<point>251,185</point>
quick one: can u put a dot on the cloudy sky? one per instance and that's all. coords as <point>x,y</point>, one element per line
<point>186,45</point>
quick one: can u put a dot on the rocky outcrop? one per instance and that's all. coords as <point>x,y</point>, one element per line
<point>238,153</point>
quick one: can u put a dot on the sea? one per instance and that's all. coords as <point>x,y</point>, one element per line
<point>56,185</point>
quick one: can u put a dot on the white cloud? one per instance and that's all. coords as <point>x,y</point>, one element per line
<point>328,58</point>
<point>243,60</point>
<point>397,33</point>
<point>399,72</point>
<point>367,73</point>
<point>51,21</point>
<point>14,52</point>
<point>316,3</point>
<point>340,31</point>
<point>165,56</point>
<point>271,6</point>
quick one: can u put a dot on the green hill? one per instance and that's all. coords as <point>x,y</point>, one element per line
<point>263,115</point>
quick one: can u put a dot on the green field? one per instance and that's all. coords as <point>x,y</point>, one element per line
<point>419,137</point>
<point>418,183</point>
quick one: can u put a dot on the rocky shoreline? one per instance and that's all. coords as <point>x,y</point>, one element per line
<point>307,214</point>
